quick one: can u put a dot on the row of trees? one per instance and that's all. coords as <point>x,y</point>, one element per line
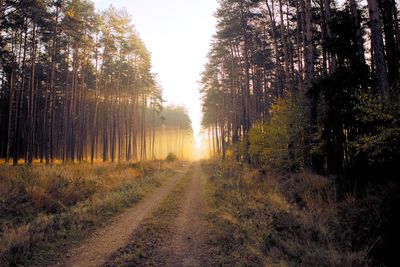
<point>302,83</point>
<point>294,84</point>
<point>75,84</point>
<point>174,134</point>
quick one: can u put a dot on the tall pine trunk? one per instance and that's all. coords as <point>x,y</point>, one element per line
<point>378,48</point>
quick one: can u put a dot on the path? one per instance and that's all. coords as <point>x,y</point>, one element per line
<point>188,245</point>
<point>96,249</point>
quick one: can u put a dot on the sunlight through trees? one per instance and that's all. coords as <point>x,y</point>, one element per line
<point>76,85</point>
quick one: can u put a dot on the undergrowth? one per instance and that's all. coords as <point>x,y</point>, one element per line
<point>280,220</point>
<point>46,209</point>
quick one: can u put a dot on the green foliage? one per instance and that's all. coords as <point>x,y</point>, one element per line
<point>355,128</point>
<point>277,143</point>
<point>171,157</point>
<point>380,117</point>
<point>257,138</point>
<point>241,149</point>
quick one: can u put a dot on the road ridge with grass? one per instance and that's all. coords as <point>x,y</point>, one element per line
<point>100,246</point>
<point>188,246</point>
<point>176,233</point>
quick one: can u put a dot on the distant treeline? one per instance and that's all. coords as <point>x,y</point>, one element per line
<point>174,133</point>
<point>75,84</point>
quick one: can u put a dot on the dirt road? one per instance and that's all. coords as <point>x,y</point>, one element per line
<point>97,249</point>
<point>188,245</point>
<point>182,242</point>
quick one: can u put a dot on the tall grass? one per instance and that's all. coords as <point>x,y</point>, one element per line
<point>276,220</point>
<point>44,209</point>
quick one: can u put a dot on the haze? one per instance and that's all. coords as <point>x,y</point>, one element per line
<point>177,33</point>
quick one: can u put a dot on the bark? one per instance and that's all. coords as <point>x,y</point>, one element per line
<point>378,47</point>
<point>280,72</point>
<point>11,100</point>
<point>32,101</point>
<point>19,103</point>
<point>285,47</point>
<point>329,60</point>
<point>357,30</point>
<point>388,12</point>
<point>246,88</point>
<point>309,41</point>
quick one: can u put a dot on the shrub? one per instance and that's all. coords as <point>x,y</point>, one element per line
<point>171,157</point>
<point>241,149</point>
<point>379,144</point>
<point>278,143</point>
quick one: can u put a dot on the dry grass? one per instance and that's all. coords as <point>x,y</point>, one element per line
<point>44,209</point>
<point>276,220</point>
<point>151,238</point>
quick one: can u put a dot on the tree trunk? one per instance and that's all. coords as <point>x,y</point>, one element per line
<point>355,17</point>
<point>32,98</point>
<point>309,41</point>
<point>389,13</point>
<point>285,48</point>
<point>378,48</point>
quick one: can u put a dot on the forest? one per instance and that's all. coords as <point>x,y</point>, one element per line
<point>298,84</point>
<point>77,85</point>
<point>300,135</point>
<point>311,84</point>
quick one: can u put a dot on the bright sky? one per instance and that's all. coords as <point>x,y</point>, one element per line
<point>177,33</point>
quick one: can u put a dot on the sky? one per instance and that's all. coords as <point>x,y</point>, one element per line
<point>177,33</point>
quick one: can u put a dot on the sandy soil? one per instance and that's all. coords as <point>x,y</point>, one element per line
<point>99,247</point>
<point>187,248</point>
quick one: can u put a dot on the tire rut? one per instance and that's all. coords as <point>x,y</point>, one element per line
<point>188,246</point>
<point>99,247</point>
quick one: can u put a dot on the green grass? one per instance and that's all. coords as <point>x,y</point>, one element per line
<point>275,220</point>
<point>154,233</point>
<point>44,210</point>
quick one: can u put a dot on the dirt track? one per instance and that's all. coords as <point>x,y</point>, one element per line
<point>187,246</point>
<point>99,247</point>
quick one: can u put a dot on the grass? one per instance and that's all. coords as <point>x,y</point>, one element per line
<point>154,234</point>
<point>276,220</point>
<point>46,209</point>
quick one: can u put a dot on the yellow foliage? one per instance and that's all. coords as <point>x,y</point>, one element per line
<point>276,143</point>
<point>70,13</point>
